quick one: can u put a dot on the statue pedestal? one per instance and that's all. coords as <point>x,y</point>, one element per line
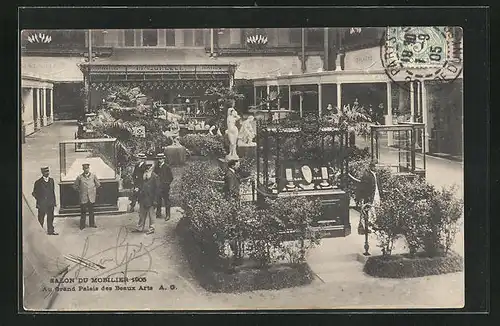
<point>176,155</point>
<point>247,150</point>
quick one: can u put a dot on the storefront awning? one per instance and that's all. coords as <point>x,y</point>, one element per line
<point>247,68</point>
<point>56,69</point>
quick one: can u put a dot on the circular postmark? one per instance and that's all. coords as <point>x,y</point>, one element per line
<point>414,54</point>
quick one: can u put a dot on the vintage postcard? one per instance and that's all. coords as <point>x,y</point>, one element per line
<point>242,168</point>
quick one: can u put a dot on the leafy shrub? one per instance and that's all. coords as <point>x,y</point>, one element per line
<point>204,145</point>
<point>262,233</point>
<point>412,208</point>
<point>446,211</point>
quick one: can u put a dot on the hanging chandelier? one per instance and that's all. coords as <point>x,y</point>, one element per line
<point>355,30</point>
<point>39,38</point>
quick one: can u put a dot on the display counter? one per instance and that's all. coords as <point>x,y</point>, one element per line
<point>100,154</point>
<point>305,160</point>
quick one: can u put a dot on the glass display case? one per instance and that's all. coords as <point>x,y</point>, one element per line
<point>400,148</point>
<point>101,154</point>
<point>305,159</point>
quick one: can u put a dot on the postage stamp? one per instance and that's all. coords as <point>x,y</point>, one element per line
<point>411,54</point>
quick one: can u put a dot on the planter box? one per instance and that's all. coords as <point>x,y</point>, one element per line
<point>403,266</point>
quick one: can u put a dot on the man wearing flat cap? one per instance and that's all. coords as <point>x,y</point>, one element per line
<point>86,184</point>
<point>139,170</point>
<point>165,173</point>
<point>44,193</point>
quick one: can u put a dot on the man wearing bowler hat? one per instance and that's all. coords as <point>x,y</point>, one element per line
<point>165,173</point>
<point>43,191</point>
<point>86,184</point>
<point>139,170</point>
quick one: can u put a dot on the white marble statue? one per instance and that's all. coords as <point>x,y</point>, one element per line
<point>232,133</point>
<point>173,129</point>
<point>162,113</point>
<point>247,132</point>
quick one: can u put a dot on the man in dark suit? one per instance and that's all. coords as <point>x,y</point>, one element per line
<point>139,170</point>
<point>44,193</point>
<point>164,172</point>
<point>148,197</point>
<point>231,180</point>
<point>368,192</point>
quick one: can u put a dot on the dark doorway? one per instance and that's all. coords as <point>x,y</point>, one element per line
<point>373,97</point>
<point>68,101</point>
<point>244,87</point>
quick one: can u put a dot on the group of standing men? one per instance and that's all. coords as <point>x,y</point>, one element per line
<point>85,184</point>
<point>151,188</point>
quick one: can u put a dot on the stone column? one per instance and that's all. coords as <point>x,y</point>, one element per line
<point>254,94</point>
<point>325,50</point>
<point>36,120</point>
<point>320,100</point>
<point>339,96</point>
<point>412,102</point>
<point>267,87</point>
<point>43,118</point>
<point>51,105</point>
<point>87,92</point>
<point>279,104</point>
<point>301,98</point>
<point>425,118</point>
<point>388,120</point>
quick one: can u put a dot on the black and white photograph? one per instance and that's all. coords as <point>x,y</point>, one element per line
<point>242,168</point>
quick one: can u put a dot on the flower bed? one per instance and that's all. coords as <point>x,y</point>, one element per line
<point>268,256</point>
<point>406,266</point>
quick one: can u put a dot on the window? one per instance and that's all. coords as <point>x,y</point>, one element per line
<point>188,37</point>
<point>149,37</point>
<point>315,37</point>
<point>198,37</point>
<point>283,36</point>
<point>223,37</point>
<point>170,37</point>
<point>98,37</point>
<point>296,36</point>
<point>129,37</point>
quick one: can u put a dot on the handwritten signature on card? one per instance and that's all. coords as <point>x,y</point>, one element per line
<point>124,259</point>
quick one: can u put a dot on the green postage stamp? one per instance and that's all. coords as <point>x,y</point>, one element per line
<point>417,47</point>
